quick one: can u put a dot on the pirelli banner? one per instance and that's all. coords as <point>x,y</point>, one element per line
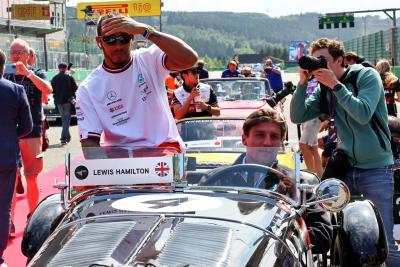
<point>30,12</point>
<point>132,8</point>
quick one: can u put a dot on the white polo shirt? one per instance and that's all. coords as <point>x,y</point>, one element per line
<point>128,107</point>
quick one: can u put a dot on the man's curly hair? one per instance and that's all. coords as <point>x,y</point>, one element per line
<point>335,48</point>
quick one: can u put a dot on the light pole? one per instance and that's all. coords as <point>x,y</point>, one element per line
<point>9,16</point>
<point>161,5</point>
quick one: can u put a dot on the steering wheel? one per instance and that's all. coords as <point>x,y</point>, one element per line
<point>234,176</point>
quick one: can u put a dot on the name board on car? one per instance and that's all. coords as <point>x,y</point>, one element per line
<point>122,171</point>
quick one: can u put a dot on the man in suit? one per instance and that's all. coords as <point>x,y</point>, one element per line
<point>16,122</point>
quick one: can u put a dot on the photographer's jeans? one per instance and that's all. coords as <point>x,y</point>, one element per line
<point>377,186</point>
<point>65,112</point>
<point>7,185</point>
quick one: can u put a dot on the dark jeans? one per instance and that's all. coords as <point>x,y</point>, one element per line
<point>7,184</point>
<point>65,112</point>
<point>377,186</point>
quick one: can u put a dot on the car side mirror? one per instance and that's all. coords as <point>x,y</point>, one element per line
<point>332,194</point>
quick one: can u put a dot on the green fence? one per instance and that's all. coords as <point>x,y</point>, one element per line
<point>79,75</point>
<point>376,46</point>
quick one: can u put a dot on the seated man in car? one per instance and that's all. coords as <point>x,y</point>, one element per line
<point>193,98</point>
<point>267,128</point>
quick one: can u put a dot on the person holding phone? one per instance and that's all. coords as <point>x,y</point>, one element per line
<point>35,84</point>
<point>194,99</point>
<point>16,122</point>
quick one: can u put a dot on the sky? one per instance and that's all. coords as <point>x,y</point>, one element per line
<point>274,8</point>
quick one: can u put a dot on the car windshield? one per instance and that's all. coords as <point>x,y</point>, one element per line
<point>269,168</point>
<point>211,133</point>
<point>240,89</point>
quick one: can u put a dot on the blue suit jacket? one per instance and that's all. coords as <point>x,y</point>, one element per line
<point>15,122</point>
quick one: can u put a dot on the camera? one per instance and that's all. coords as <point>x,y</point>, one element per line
<point>268,69</point>
<point>311,63</point>
<point>289,88</point>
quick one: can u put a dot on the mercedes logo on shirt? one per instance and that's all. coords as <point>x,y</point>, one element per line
<point>111,95</point>
<point>81,172</point>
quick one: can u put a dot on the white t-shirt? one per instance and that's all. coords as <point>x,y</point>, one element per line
<point>182,95</point>
<point>129,106</point>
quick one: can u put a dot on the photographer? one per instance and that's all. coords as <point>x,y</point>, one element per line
<point>357,111</point>
<point>274,76</point>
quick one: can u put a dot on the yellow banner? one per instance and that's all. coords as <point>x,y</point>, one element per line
<point>30,12</point>
<point>146,8</point>
<point>133,8</point>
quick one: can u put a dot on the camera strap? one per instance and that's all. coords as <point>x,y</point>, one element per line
<point>331,123</point>
<point>332,103</point>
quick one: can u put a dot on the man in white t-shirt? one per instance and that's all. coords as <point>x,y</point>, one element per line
<point>124,99</point>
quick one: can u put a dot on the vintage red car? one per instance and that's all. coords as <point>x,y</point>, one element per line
<point>238,97</point>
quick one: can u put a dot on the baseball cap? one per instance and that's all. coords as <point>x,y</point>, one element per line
<point>194,69</point>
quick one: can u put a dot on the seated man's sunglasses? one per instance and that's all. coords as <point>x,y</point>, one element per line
<point>112,39</point>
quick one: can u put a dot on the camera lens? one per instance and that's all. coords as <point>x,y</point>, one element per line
<point>311,63</point>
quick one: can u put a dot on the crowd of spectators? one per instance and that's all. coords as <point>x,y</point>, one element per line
<point>356,107</point>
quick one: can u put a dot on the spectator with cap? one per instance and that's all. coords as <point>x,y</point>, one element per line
<point>231,71</point>
<point>194,99</point>
<point>64,88</point>
<point>16,122</point>
<point>203,73</point>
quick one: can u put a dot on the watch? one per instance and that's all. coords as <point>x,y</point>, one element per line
<point>209,108</point>
<point>337,87</point>
<point>148,31</point>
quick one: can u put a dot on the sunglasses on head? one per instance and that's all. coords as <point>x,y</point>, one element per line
<point>112,39</point>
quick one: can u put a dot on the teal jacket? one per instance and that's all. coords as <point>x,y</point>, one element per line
<point>356,136</point>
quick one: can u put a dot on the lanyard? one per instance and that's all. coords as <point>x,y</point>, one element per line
<point>331,123</point>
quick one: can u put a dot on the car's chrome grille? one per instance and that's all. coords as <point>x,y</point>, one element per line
<point>92,243</point>
<point>197,245</point>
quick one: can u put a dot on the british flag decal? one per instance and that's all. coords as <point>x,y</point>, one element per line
<point>162,169</point>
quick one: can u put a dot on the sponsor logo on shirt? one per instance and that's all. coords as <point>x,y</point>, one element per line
<point>145,91</point>
<point>140,79</point>
<point>111,95</point>
<point>121,121</point>
<point>118,107</point>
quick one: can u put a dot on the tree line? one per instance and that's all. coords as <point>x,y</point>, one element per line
<point>217,36</point>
